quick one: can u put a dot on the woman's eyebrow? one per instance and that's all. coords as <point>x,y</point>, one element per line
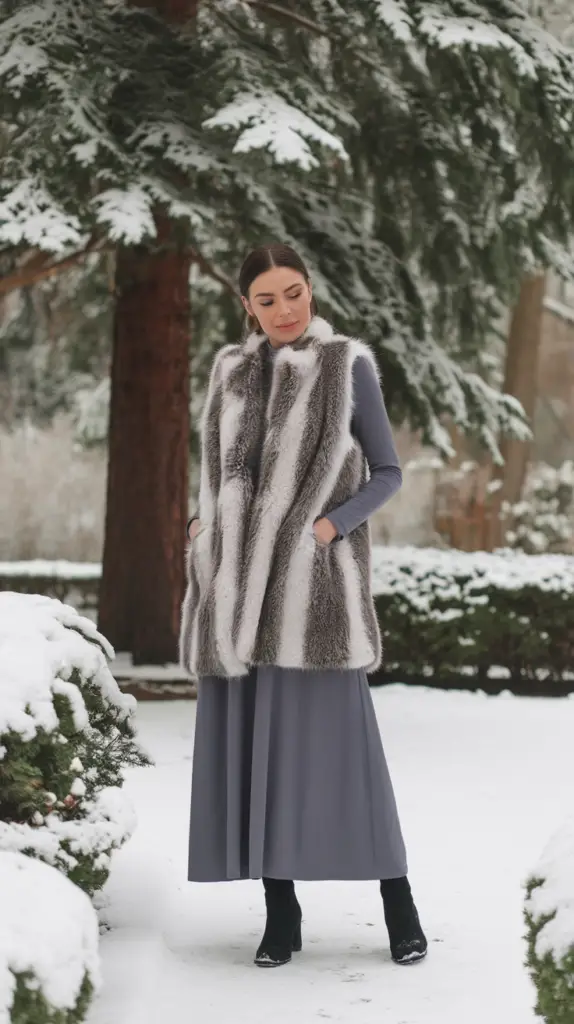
<point>295,285</point>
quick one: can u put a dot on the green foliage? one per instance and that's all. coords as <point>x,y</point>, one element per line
<point>553,976</point>
<point>31,1007</point>
<point>60,786</point>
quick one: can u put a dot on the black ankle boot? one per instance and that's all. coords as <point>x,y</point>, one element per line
<point>282,933</point>
<point>408,942</point>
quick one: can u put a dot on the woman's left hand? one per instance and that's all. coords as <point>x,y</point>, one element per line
<point>324,531</point>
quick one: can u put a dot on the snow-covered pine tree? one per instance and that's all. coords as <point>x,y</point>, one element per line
<point>418,154</point>
<point>55,342</point>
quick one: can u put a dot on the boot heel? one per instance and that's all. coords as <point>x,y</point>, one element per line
<point>297,942</point>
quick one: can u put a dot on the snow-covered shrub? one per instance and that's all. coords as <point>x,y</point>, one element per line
<point>49,962</point>
<point>549,913</point>
<point>66,733</point>
<point>544,518</point>
<point>473,613</point>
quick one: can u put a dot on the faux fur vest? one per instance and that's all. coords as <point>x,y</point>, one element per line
<point>261,590</point>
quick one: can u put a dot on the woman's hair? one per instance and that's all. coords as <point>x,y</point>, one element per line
<point>263,258</point>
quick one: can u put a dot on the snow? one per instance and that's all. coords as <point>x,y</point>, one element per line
<point>418,573</point>
<point>398,567</point>
<point>176,144</point>
<point>21,62</point>
<point>395,16</point>
<point>126,213</point>
<point>59,568</point>
<point>562,310</point>
<point>107,822</point>
<point>481,782</point>
<point>30,215</point>
<point>48,927</point>
<point>42,642</point>
<point>455,32</point>
<point>268,120</point>
<point>556,895</point>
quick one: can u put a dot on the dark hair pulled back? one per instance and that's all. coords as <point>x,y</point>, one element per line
<point>276,254</point>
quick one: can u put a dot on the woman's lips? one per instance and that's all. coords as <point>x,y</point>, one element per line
<point>285,327</point>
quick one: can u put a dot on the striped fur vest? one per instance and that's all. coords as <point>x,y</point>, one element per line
<point>261,590</point>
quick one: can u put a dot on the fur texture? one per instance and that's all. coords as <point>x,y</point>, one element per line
<point>260,588</point>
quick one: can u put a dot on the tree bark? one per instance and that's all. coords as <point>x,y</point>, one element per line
<point>142,585</point>
<point>520,381</point>
<point>142,582</point>
<point>521,378</point>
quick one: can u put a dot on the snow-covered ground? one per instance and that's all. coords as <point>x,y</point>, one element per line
<point>481,783</point>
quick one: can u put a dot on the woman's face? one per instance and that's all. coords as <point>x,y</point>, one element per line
<point>280,298</point>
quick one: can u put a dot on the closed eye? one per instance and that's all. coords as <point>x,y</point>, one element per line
<point>293,296</point>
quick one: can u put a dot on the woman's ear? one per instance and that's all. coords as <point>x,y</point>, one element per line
<point>247,306</point>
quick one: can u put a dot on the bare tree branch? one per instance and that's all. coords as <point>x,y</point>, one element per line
<point>299,19</point>
<point>39,267</point>
<point>208,268</point>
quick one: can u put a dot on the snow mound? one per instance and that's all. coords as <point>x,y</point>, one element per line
<point>48,932</point>
<point>555,896</point>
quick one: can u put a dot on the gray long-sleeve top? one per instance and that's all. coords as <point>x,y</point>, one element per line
<point>370,425</point>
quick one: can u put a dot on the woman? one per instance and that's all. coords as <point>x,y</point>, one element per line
<point>278,623</point>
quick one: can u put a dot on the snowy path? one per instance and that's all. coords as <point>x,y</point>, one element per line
<point>481,783</point>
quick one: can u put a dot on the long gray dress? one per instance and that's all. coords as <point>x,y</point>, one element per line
<point>289,776</point>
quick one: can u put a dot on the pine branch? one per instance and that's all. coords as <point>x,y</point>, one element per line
<point>304,22</point>
<point>40,267</point>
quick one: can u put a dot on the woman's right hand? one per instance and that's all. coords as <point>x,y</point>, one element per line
<point>194,528</point>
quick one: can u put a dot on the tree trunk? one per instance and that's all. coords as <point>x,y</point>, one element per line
<point>521,378</point>
<point>143,581</point>
<point>143,565</point>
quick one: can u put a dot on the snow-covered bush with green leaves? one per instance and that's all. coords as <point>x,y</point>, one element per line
<point>549,913</point>
<point>66,734</point>
<point>450,613</point>
<point>49,961</point>
<point>544,518</point>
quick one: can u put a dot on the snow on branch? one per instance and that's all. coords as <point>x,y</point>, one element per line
<point>269,121</point>
<point>30,215</point>
<point>42,642</point>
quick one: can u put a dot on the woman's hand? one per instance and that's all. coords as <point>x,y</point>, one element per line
<point>194,528</point>
<point>324,531</point>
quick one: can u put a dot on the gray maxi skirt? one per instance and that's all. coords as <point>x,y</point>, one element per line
<point>290,780</point>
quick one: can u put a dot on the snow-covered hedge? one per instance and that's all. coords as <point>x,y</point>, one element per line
<point>506,614</point>
<point>549,912</point>
<point>443,613</point>
<point>49,962</point>
<point>66,733</point>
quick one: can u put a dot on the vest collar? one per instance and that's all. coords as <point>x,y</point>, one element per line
<point>318,329</point>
